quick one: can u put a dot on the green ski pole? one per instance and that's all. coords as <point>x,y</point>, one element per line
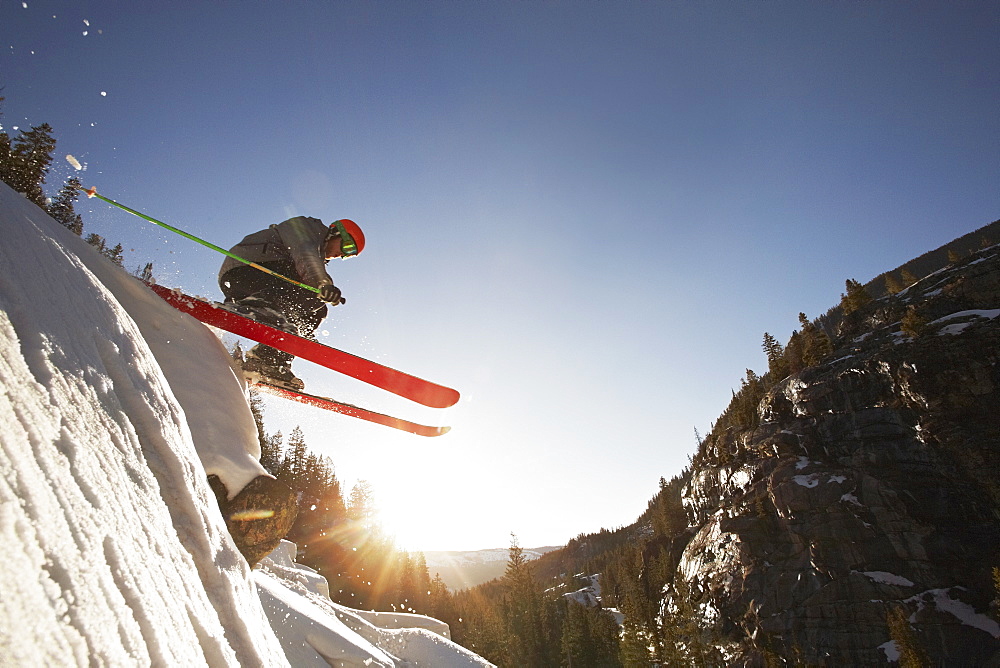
<point>92,192</point>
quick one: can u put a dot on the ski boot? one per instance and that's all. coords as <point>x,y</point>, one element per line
<point>273,367</point>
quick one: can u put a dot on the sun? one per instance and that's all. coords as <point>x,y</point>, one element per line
<point>429,493</point>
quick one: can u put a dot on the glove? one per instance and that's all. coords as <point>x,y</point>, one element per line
<point>331,293</point>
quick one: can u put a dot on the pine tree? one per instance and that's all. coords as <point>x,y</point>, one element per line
<point>293,465</point>
<point>404,587</point>
<point>361,505</point>
<point>911,654</point>
<point>116,255</point>
<point>270,452</point>
<point>481,627</point>
<point>6,157</point>
<point>24,163</point>
<point>909,278</point>
<point>576,652</point>
<point>913,323</point>
<point>746,401</point>
<point>605,637</point>
<point>816,344</point>
<point>589,637</point>
<point>892,284</point>
<point>4,138</point>
<point>795,353</point>
<point>953,257</point>
<point>319,534</point>
<point>521,610</point>
<point>668,517</point>
<point>690,642</point>
<point>98,242</point>
<point>857,297</point>
<point>640,603</point>
<point>634,651</point>
<point>442,606</point>
<point>62,207</point>
<point>777,363</point>
<point>101,244</point>
<point>270,446</point>
<point>422,597</point>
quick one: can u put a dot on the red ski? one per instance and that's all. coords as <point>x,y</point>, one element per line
<point>410,387</point>
<point>354,411</point>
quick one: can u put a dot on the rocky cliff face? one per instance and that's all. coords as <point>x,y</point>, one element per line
<point>870,487</point>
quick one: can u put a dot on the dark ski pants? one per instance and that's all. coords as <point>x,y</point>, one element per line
<point>302,308</point>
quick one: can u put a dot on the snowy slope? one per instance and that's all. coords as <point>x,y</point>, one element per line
<point>113,409</point>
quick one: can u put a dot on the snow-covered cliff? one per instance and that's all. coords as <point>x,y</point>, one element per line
<point>114,408</point>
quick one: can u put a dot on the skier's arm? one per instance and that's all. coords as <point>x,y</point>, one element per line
<point>304,238</point>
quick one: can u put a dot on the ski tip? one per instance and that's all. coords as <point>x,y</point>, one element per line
<point>429,432</point>
<point>417,429</point>
<point>442,397</point>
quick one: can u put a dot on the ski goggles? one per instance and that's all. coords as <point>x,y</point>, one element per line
<point>348,247</point>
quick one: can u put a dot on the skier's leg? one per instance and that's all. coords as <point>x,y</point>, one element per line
<point>262,297</point>
<point>273,301</point>
<point>255,294</point>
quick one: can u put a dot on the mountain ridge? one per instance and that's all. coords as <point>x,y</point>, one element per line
<point>848,515</point>
<point>462,569</point>
<point>937,258</point>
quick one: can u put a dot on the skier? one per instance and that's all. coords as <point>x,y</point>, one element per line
<point>298,248</point>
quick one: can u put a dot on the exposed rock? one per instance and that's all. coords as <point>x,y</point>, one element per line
<point>259,516</point>
<point>872,482</point>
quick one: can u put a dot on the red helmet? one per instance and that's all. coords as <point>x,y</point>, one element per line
<point>348,228</point>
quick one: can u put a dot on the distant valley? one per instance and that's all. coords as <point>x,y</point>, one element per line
<point>461,570</point>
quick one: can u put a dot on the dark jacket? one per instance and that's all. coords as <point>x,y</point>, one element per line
<point>300,241</point>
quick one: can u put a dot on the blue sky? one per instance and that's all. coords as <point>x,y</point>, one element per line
<point>583,215</point>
